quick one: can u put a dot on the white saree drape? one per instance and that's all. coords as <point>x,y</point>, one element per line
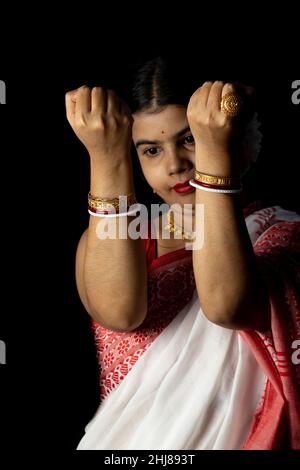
<point>197,387</point>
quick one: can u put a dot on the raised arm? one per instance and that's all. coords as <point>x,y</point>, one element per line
<point>230,288</point>
<point>111,274</point>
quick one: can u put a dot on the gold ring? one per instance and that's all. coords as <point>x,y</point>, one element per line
<point>231,104</point>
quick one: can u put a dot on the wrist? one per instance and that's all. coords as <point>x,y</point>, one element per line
<point>114,158</point>
<point>111,180</point>
<point>217,163</point>
<point>218,158</point>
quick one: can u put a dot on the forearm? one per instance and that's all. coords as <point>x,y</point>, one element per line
<point>115,275</point>
<point>228,283</point>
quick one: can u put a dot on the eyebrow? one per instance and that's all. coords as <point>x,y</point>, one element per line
<point>156,142</point>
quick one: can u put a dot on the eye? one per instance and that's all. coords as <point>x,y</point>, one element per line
<point>151,151</point>
<point>188,140</point>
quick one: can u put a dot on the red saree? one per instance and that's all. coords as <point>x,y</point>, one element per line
<point>277,422</point>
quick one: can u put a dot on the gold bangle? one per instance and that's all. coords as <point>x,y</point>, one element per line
<point>106,203</point>
<point>218,180</point>
<point>104,199</point>
<point>103,205</point>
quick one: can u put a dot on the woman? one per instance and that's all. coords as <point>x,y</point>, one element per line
<point>194,344</point>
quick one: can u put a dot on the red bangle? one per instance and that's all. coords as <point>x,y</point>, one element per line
<point>97,211</point>
<point>215,186</point>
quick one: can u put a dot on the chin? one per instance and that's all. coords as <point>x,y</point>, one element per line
<point>178,199</point>
<point>188,199</point>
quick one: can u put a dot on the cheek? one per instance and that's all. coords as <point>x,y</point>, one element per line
<point>147,174</point>
<point>154,178</point>
<point>153,173</point>
<point>148,171</point>
<point>151,178</point>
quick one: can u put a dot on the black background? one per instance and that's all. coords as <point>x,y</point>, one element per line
<point>49,386</point>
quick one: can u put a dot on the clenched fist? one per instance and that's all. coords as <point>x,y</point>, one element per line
<point>217,134</point>
<point>101,121</point>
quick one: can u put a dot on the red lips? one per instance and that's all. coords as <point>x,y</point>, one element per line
<point>183,188</point>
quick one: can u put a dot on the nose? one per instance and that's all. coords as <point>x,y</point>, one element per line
<point>177,161</point>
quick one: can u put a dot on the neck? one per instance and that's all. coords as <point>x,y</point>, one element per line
<point>180,227</point>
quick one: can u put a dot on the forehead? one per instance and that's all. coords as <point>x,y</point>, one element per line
<point>161,125</point>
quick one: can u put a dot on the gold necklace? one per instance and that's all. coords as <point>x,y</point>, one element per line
<point>172,228</point>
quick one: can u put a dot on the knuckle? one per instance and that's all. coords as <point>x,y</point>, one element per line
<point>81,122</point>
<point>228,87</point>
<point>224,119</point>
<point>212,120</point>
<point>83,89</point>
<point>195,95</point>
<point>190,113</point>
<point>209,120</point>
<point>98,124</point>
<point>126,120</point>
<point>97,89</point>
<point>112,97</point>
<point>197,91</point>
<point>113,122</point>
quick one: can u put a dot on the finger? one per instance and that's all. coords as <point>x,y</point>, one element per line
<point>99,100</point>
<point>227,88</point>
<point>200,96</point>
<point>215,96</point>
<point>70,104</point>
<point>124,108</point>
<point>204,93</point>
<point>248,100</point>
<point>233,105</point>
<point>113,103</point>
<point>83,102</point>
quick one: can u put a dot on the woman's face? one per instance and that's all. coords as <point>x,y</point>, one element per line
<point>166,151</point>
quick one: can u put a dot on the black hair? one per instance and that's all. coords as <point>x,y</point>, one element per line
<point>158,83</point>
